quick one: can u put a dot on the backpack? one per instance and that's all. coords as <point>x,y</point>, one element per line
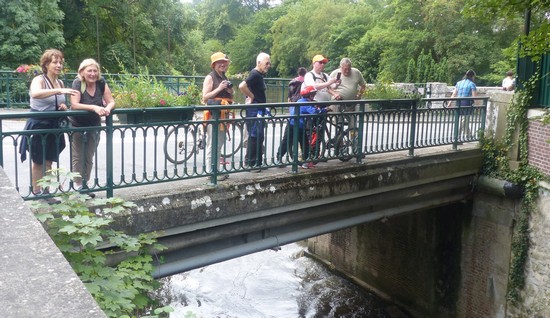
<point>294,88</point>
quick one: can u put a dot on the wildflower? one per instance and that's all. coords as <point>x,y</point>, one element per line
<point>163,102</point>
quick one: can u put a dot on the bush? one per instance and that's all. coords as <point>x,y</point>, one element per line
<point>389,92</point>
<point>142,90</point>
<point>79,233</point>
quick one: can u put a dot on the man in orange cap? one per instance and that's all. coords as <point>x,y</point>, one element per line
<point>320,80</point>
<point>216,90</point>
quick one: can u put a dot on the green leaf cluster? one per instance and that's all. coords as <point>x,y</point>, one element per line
<point>143,90</point>
<point>442,39</point>
<point>84,237</point>
<point>387,91</point>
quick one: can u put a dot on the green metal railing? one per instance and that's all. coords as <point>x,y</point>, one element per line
<point>138,149</point>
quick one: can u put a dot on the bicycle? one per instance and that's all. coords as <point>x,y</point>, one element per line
<point>185,140</point>
<point>327,134</point>
<point>344,139</point>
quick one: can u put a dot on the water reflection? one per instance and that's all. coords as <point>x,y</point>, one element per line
<point>267,284</point>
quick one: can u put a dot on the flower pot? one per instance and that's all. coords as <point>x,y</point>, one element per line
<point>150,116</point>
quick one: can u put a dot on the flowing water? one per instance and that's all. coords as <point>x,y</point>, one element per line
<point>268,284</point>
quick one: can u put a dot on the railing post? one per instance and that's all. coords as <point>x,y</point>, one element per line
<point>456,128</point>
<point>360,130</point>
<point>1,143</point>
<point>215,158</point>
<point>412,136</point>
<point>483,117</point>
<point>109,152</point>
<point>8,96</point>
<point>295,132</point>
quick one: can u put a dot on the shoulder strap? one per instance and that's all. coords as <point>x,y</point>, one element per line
<point>101,85</point>
<point>316,78</point>
<point>49,85</point>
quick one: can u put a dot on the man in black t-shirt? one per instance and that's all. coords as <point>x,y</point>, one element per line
<point>253,87</point>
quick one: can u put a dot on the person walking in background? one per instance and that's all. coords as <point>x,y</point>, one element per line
<point>216,90</point>
<point>509,82</point>
<point>47,93</point>
<point>465,88</point>
<point>320,80</point>
<point>254,88</point>
<point>93,95</point>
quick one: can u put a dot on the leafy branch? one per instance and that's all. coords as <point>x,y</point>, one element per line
<point>82,233</point>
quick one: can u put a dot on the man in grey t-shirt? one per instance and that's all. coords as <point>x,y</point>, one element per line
<point>351,85</point>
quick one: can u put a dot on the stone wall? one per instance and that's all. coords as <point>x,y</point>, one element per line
<point>486,249</point>
<point>445,262</point>
<point>411,260</point>
<point>536,293</point>
<point>539,146</point>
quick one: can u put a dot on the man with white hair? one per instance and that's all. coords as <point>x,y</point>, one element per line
<point>254,88</point>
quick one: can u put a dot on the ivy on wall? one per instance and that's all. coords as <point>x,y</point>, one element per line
<point>496,164</point>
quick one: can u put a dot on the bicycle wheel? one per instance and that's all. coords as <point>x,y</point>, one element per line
<point>233,139</point>
<point>428,104</point>
<point>345,148</point>
<point>179,144</point>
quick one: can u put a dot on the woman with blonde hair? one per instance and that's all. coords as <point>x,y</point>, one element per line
<point>94,95</point>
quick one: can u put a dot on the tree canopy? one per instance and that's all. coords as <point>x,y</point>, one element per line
<point>388,40</point>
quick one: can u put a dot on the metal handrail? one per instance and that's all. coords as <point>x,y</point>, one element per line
<point>137,153</point>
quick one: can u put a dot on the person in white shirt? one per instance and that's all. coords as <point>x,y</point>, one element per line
<point>509,82</point>
<point>320,80</point>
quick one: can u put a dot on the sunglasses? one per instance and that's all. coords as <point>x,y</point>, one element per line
<point>322,62</point>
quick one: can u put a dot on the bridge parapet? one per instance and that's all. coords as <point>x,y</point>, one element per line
<point>36,280</point>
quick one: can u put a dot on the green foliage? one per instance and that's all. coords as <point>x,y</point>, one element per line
<point>82,236</point>
<point>27,30</point>
<point>535,43</point>
<point>388,91</point>
<point>142,90</point>
<point>252,39</point>
<point>220,19</point>
<point>171,37</point>
<point>426,69</point>
<point>311,27</point>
